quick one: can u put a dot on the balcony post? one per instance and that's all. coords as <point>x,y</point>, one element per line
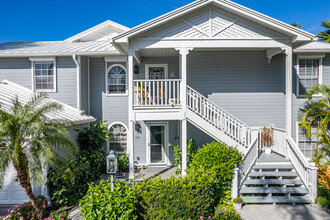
<point>288,90</point>
<point>183,101</point>
<point>130,133</point>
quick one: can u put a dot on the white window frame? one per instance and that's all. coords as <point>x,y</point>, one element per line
<point>147,66</point>
<point>106,79</point>
<point>108,144</point>
<point>311,57</point>
<point>35,60</point>
<point>297,141</point>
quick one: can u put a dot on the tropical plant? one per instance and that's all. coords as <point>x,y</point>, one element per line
<point>315,113</point>
<point>325,35</point>
<point>32,140</point>
<point>297,25</point>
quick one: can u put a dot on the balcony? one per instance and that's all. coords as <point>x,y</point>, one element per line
<point>157,93</point>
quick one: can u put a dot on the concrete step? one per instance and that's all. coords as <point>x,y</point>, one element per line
<point>273,174</point>
<point>276,199</point>
<point>273,182</point>
<point>257,190</point>
<point>272,166</point>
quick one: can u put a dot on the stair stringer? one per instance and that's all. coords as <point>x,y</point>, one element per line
<point>213,131</point>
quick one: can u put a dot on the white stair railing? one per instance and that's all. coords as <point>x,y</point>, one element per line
<point>307,171</point>
<point>219,118</point>
<point>279,141</point>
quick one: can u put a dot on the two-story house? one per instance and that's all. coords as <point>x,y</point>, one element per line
<point>210,70</point>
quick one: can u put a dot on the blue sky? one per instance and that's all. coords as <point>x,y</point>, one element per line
<point>49,20</point>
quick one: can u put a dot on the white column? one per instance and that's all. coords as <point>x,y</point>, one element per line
<point>183,100</point>
<point>312,184</point>
<point>234,186</point>
<point>288,91</point>
<point>130,133</point>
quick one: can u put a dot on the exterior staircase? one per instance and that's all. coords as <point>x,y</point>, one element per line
<point>273,179</point>
<point>218,123</point>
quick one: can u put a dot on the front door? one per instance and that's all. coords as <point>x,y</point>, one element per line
<point>157,144</point>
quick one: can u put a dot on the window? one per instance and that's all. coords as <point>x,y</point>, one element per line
<point>156,71</point>
<point>118,138</point>
<point>309,74</point>
<point>306,144</point>
<point>44,76</point>
<point>116,79</point>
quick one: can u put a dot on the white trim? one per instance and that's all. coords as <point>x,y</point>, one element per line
<point>77,60</point>
<point>106,79</point>
<point>320,78</point>
<point>35,60</point>
<point>166,150</point>
<point>115,59</point>
<point>88,87</point>
<point>147,66</point>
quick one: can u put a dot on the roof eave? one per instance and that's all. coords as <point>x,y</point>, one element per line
<point>60,54</point>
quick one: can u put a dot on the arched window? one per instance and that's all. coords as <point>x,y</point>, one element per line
<point>117,137</point>
<point>116,79</point>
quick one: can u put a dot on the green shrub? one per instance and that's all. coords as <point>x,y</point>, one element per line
<point>93,137</point>
<point>220,159</point>
<point>58,215</point>
<point>70,181</point>
<point>101,203</point>
<point>177,198</point>
<point>238,200</point>
<point>321,200</point>
<point>123,163</point>
<point>228,212</point>
<point>177,153</point>
<point>325,193</point>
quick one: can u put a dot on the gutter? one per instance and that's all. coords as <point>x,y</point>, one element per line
<point>77,60</point>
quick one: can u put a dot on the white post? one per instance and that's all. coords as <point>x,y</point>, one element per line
<point>288,90</point>
<point>234,186</point>
<point>183,101</point>
<point>312,170</point>
<point>130,133</point>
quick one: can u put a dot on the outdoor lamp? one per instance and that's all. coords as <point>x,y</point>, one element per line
<point>136,69</point>
<point>112,163</point>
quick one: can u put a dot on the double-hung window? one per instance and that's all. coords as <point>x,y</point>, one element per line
<point>117,137</point>
<point>44,75</point>
<point>116,77</point>
<point>309,74</point>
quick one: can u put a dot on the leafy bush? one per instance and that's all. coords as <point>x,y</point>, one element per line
<point>220,159</point>
<point>177,153</point>
<point>101,203</point>
<point>93,137</point>
<point>323,176</point>
<point>325,193</point>
<point>176,198</point>
<point>228,212</point>
<point>70,182</point>
<point>238,200</point>
<point>25,210</point>
<point>321,200</point>
<point>123,163</point>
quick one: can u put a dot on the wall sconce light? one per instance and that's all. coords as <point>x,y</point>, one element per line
<point>136,69</point>
<point>138,127</point>
<point>172,74</point>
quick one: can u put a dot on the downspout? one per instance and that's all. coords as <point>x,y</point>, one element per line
<point>77,60</point>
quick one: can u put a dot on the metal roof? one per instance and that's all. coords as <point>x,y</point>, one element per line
<point>316,46</point>
<point>56,48</point>
<point>9,91</point>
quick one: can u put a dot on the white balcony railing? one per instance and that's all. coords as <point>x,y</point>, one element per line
<point>157,93</point>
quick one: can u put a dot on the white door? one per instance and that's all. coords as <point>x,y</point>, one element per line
<point>12,192</point>
<point>157,144</point>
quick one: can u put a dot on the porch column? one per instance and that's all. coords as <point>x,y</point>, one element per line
<point>183,100</point>
<point>288,90</point>
<point>130,133</point>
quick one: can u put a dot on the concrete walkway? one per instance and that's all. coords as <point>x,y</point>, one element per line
<point>283,212</point>
<point>4,209</point>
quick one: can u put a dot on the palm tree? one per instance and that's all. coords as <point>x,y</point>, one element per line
<point>297,25</point>
<point>31,140</point>
<point>325,35</point>
<point>315,113</point>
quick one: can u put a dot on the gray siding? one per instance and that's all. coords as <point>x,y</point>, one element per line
<point>18,70</point>
<point>84,83</point>
<point>243,83</point>
<point>298,101</point>
<point>66,81</point>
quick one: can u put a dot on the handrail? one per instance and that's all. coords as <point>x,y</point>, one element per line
<point>157,80</point>
<point>220,118</point>
<point>217,106</point>
<point>298,151</point>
